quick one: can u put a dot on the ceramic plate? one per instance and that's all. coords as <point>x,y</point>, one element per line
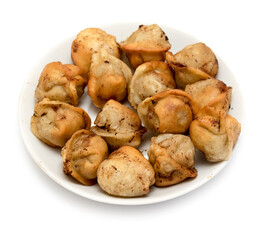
<point>49,159</point>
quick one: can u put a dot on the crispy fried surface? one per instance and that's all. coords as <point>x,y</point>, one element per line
<point>149,78</point>
<point>108,78</point>
<point>193,63</point>
<point>118,125</point>
<point>61,82</point>
<point>126,173</point>
<point>148,43</point>
<point>211,92</point>
<point>214,133</point>
<point>172,157</point>
<point>55,122</point>
<point>82,155</point>
<point>170,111</point>
<point>89,41</point>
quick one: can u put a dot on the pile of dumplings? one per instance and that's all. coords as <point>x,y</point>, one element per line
<point>176,97</point>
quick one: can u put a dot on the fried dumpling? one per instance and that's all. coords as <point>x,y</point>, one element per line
<point>193,63</point>
<point>89,41</point>
<point>82,155</point>
<point>55,122</point>
<point>61,82</point>
<point>172,157</point>
<point>148,43</point>
<point>149,78</point>
<point>170,111</point>
<point>214,133</point>
<point>211,92</point>
<point>118,125</point>
<point>126,173</point>
<point>108,78</point>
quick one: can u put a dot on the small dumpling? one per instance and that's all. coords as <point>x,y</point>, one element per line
<point>170,111</point>
<point>193,63</point>
<point>211,92</point>
<point>172,157</point>
<point>148,43</point>
<point>118,125</point>
<point>214,133</point>
<point>89,41</point>
<point>126,173</point>
<point>149,78</point>
<point>55,122</point>
<point>82,155</point>
<point>108,78</point>
<point>61,82</point>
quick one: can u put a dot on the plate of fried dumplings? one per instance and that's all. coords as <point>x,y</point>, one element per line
<point>131,114</point>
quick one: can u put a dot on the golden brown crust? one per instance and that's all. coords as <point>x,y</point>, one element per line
<point>172,157</point>
<point>82,155</point>
<point>193,63</point>
<point>214,133</point>
<point>108,78</point>
<point>126,173</point>
<point>148,43</point>
<point>54,122</point>
<point>149,78</point>
<point>89,41</point>
<point>212,93</point>
<point>61,82</point>
<point>118,125</point>
<point>170,111</point>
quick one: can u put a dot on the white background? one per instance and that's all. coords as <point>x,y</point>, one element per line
<point>233,205</point>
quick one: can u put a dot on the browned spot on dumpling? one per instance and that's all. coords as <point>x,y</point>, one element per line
<point>126,173</point>
<point>172,112</point>
<point>61,82</point>
<point>54,122</point>
<point>149,78</point>
<point>148,43</point>
<point>89,41</point>
<point>108,78</point>
<point>211,92</point>
<point>118,125</point>
<point>214,133</point>
<point>193,63</point>
<point>82,155</point>
<point>172,157</point>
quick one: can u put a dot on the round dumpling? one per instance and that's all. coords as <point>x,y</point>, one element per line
<point>211,92</point>
<point>108,78</point>
<point>193,63</point>
<point>172,157</point>
<point>148,43</point>
<point>149,78</point>
<point>89,41</point>
<point>214,133</point>
<point>171,111</point>
<point>82,155</point>
<point>118,125</point>
<point>55,122</point>
<point>126,173</point>
<point>61,82</point>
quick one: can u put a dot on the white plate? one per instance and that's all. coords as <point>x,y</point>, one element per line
<point>49,159</point>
